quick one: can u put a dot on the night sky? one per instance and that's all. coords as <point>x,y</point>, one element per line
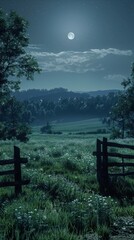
<point>99,56</point>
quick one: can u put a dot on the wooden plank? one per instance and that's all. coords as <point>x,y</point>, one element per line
<point>117,164</point>
<point>7,172</point>
<point>10,184</point>
<point>119,145</point>
<point>119,155</point>
<point>99,162</point>
<point>123,167</point>
<point>17,168</point>
<point>5,162</point>
<point>121,174</point>
<point>11,161</point>
<point>105,167</point>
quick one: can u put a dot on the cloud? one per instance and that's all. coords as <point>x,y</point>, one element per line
<point>33,47</point>
<point>113,51</point>
<point>115,77</point>
<point>75,61</point>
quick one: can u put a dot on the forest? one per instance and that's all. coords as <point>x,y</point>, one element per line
<point>40,109</point>
<point>62,105</point>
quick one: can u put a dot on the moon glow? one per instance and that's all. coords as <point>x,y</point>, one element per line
<point>71,35</point>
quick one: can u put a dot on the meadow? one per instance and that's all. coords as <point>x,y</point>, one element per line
<point>62,201</point>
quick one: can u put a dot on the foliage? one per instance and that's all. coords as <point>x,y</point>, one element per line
<point>15,62</point>
<point>20,132</point>
<point>46,129</point>
<point>122,113</point>
<point>13,124</point>
<point>55,105</point>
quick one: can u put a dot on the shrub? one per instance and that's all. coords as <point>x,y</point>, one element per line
<point>115,133</point>
<point>46,129</point>
<point>19,132</point>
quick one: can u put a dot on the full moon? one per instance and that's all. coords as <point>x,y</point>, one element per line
<point>71,35</point>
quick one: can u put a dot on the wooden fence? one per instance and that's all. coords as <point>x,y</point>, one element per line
<point>103,163</point>
<point>16,161</point>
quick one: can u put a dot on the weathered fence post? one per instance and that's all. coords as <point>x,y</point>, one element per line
<point>17,168</point>
<point>123,167</point>
<point>105,179</point>
<point>99,164</point>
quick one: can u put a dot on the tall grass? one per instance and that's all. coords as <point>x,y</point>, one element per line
<point>62,201</point>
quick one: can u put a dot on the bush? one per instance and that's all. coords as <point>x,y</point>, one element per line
<point>3,132</point>
<point>115,133</point>
<point>46,129</point>
<point>19,132</point>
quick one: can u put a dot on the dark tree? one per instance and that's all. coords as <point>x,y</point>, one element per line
<point>123,112</point>
<point>15,62</point>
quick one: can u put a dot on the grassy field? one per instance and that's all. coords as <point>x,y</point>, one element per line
<point>90,125</point>
<point>62,201</point>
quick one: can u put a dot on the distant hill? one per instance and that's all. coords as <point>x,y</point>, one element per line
<point>102,92</point>
<point>57,93</point>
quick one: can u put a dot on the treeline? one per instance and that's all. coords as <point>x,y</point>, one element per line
<point>67,109</point>
<point>39,110</point>
<point>17,116</point>
<point>56,93</point>
<point>50,95</point>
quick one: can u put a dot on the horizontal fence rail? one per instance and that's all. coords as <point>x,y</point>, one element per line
<point>103,164</point>
<point>16,162</point>
<point>11,161</point>
<point>119,155</point>
<point>7,184</point>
